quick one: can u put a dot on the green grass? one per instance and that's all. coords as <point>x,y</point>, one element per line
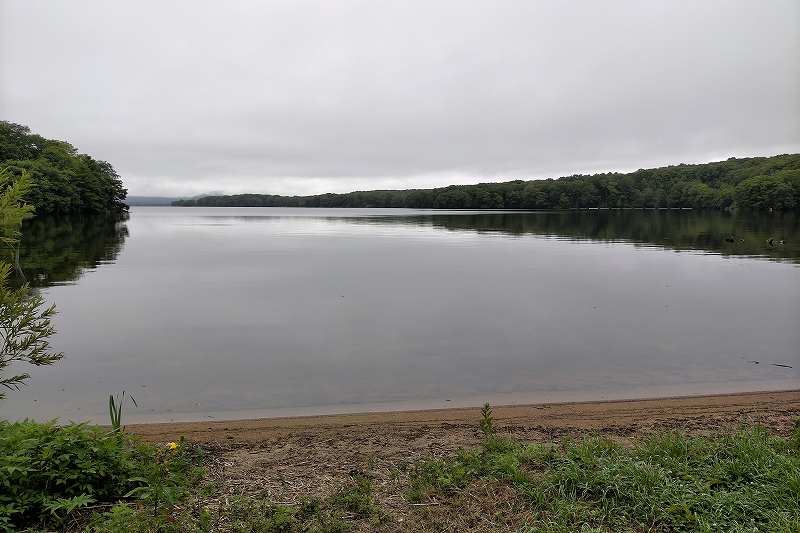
<point>356,497</point>
<point>748,481</point>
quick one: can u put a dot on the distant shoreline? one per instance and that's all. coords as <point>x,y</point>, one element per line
<point>755,183</point>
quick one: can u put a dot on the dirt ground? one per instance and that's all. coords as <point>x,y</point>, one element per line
<point>286,460</point>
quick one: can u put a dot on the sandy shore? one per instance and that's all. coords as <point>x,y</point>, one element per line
<point>774,409</point>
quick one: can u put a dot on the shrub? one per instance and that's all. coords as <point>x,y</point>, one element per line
<point>47,471</point>
<point>42,463</point>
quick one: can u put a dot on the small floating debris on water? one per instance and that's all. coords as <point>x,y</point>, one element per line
<point>730,238</point>
<point>772,364</point>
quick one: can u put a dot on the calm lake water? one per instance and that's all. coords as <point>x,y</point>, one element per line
<point>238,312</point>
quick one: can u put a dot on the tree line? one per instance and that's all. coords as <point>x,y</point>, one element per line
<point>63,181</point>
<point>758,183</point>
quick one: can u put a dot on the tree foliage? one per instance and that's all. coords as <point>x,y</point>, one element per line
<point>760,183</point>
<point>12,210</point>
<point>777,192</point>
<point>25,328</point>
<point>63,181</point>
<point>25,320</point>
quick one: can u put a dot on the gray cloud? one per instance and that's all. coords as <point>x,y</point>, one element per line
<point>301,97</point>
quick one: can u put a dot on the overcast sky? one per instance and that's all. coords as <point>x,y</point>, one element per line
<point>302,97</point>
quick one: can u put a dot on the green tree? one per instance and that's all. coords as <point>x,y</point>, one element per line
<point>765,193</point>
<point>25,320</point>
<point>63,181</point>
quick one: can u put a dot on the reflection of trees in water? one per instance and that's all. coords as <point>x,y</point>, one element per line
<point>680,230</point>
<point>58,250</point>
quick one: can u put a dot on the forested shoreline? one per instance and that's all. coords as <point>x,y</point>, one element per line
<point>758,183</point>
<point>63,181</point>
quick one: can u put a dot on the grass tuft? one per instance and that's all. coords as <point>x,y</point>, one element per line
<point>355,497</point>
<point>748,481</point>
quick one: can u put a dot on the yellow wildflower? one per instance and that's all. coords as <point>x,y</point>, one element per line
<point>172,446</point>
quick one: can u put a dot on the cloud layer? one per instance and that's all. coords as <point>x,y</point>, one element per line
<point>307,97</point>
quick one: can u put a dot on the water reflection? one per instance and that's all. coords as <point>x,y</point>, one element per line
<point>56,251</point>
<point>735,234</point>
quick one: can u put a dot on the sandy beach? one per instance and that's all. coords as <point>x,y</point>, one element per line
<point>775,409</point>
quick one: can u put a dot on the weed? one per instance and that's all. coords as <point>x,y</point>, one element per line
<point>115,410</point>
<point>355,497</point>
<point>487,421</point>
<point>48,471</point>
<point>166,476</point>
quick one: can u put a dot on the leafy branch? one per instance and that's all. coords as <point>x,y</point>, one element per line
<point>25,319</point>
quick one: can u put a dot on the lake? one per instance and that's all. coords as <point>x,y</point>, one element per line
<point>209,313</point>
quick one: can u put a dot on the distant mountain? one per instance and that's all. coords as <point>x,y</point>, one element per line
<point>167,200</point>
<point>150,200</point>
